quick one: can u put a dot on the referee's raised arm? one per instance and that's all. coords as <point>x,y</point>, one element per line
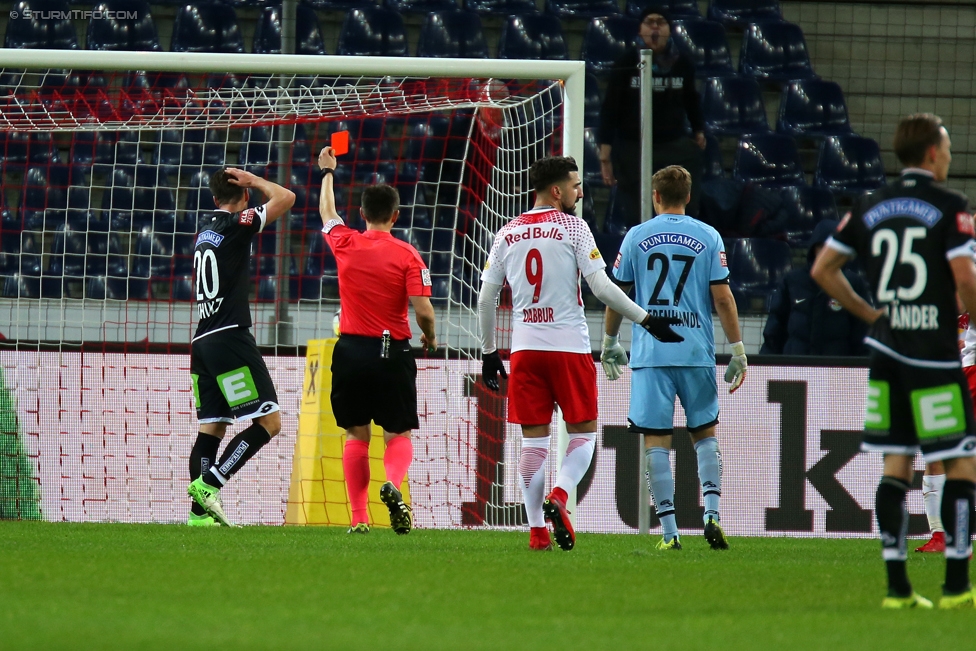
<point>327,206</point>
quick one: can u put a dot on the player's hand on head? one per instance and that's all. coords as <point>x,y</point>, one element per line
<point>241,178</point>
<point>660,328</point>
<point>612,357</point>
<point>491,367</point>
<point>735,373</point>
<point>327,158</point>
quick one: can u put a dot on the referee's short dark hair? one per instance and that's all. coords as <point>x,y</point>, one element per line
<point>673,183</point>
<point>914,135</point>
<point>223,190</point>
<point>552,169</point>
<point>379,203</point>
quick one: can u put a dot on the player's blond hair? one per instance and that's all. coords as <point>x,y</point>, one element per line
<point>673,183</point>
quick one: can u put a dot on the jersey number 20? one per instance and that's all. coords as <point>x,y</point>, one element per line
<point>208,282</point>
<point>685,260</point>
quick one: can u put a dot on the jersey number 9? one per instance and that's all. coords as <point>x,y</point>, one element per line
<point>533,272</point>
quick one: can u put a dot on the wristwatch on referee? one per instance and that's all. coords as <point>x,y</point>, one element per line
<point>325,170</point>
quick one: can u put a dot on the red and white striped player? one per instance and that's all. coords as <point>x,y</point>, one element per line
<point>542,254</point>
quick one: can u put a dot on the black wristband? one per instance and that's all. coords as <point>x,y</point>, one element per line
<point>325,170</point>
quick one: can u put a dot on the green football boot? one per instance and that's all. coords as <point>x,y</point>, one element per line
<point>915,600</point>
<point>209,498</point>
<point>959,601</point>
<point>205,520</point>
<point>673,544</point>
<point>360,528</point>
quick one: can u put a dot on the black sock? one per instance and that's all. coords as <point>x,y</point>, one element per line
<point>957,518</point>
<point>244,446</point>
<point>202,456</point>
<point>893,523</point>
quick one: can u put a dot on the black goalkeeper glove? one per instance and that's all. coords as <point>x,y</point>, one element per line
<point>491,366</point>
<point>660,328</point>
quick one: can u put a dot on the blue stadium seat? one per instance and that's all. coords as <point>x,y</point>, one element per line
<point>79,212</point>
<point>339,5</point>
<point>263,249</point>
<point>420,6</point>
<point>320,275</point>
<point>776,52</point>
<point>712,159</point>
<point>415,208</point>
<point>100,151</point>
<point>267,32</point>
<point>183,244</point>
<point>117,199</point>
<point>755,268</point>
<point>593,101</point>
<point>153,257</point>
<point>500,7</point>
<point>813,107</point>
<point>373,31</point>
<point>198,197</point>
<point>425,138</point>
<point>704,42</point>
<point>67,257</point>
<point>37,33</point>
<point>206,27</point>
<point>805,206</point>
<point>452,34</point>
<point>113,32</point>
<point>532,36</point>
<point>180,149</point>
<point>44,198</point>
<point>582,8</point>
<point>677,9</point>
<point>768,159</point>
<point>259,149</point>
<point>606,39</point>
<point>733,106</point>
<point>591,159</point>
<point>154,200</point>
<point>102,287</point>
<point>743,12</point>
<point>19,149</point>
<point>105,256</point>
<point>849,165</point>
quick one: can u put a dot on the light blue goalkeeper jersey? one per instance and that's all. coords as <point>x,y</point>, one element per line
<point>673,260</point>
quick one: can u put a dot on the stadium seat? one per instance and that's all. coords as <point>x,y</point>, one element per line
<point>712,159</point>
<point>420,6</point>
<point>606,39</point>
<point>755,267</point>
<point>373,31</point>
<point>742,12</point>
<point>415,208</point>
<point>267,31</point>
<point>153,257</point>
<point>813,107</point>
<point>19,149</point>
<point>704,42</point>
<point>805,206</point>
<point>593,101</point>
<point>769,160</point>
<point>79,212</point>
<point>678,9</point>
<point>452,34</point>
<point>188,148</point>
<point>183,244</point>
<point>319,274</point>
<point>532,36</point>
<point>68,254</point>
<point>117,199</point>
<point>36,33</point>
<point>259,149</point>
<point>206,27</point>
<point>105,256</point>
<point>733,106</point>
<point>591,159</point>
<point>500,7</point>
<point>776,52</point>
<point>101,151</point>
<point>582,8</point>
<point>102,287</point>
<point>198,197</point>
<point>154,200</point>
<point>44,198</point>
<point>849,165</point>
<point>113,32</point>
<point>339,5</point>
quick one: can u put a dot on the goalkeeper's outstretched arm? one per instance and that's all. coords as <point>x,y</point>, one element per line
<point>327,204</point>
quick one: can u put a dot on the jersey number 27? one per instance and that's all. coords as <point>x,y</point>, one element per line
<point>652,262</point>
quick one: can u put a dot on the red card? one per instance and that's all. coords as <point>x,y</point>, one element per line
<point>340,142</point>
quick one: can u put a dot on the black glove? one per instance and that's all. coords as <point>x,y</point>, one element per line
<point>660,328</point>
<point>491,366</point>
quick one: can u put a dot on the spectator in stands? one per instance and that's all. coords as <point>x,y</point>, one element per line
<point>675,102</point>
<point>804,320</point>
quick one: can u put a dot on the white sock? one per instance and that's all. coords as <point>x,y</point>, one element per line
<point>932,499</point>
<point>532,471</point>
<point>579,453</point>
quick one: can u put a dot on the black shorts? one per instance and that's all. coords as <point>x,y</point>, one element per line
<point>369,388</point>
<point>230,379</point>
<point>912,408</point>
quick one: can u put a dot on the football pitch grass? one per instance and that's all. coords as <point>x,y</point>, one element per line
<point>94,586</point>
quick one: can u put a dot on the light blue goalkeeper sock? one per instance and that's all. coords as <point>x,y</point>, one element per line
<point>710,474</point>
<point>661,484</point>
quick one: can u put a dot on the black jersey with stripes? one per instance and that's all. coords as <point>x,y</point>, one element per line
<point>904,235</point>
<point>221,275</point>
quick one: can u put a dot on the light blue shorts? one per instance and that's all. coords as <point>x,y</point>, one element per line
<point>653,390</point>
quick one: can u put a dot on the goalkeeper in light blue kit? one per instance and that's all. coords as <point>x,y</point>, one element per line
<point>677,266</point>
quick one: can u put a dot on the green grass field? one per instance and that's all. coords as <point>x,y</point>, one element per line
<point>93,586</point>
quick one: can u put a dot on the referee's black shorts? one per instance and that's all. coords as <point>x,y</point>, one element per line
<point>367,387</point>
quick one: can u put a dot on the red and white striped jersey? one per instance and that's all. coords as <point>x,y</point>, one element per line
<point>542,254</point>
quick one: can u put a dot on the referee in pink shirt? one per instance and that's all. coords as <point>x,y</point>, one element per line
<point>374,375</point>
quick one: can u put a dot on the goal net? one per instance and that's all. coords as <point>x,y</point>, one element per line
<point>104,177</point>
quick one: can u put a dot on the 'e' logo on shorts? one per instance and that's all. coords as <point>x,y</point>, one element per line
<point>237,386</point>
